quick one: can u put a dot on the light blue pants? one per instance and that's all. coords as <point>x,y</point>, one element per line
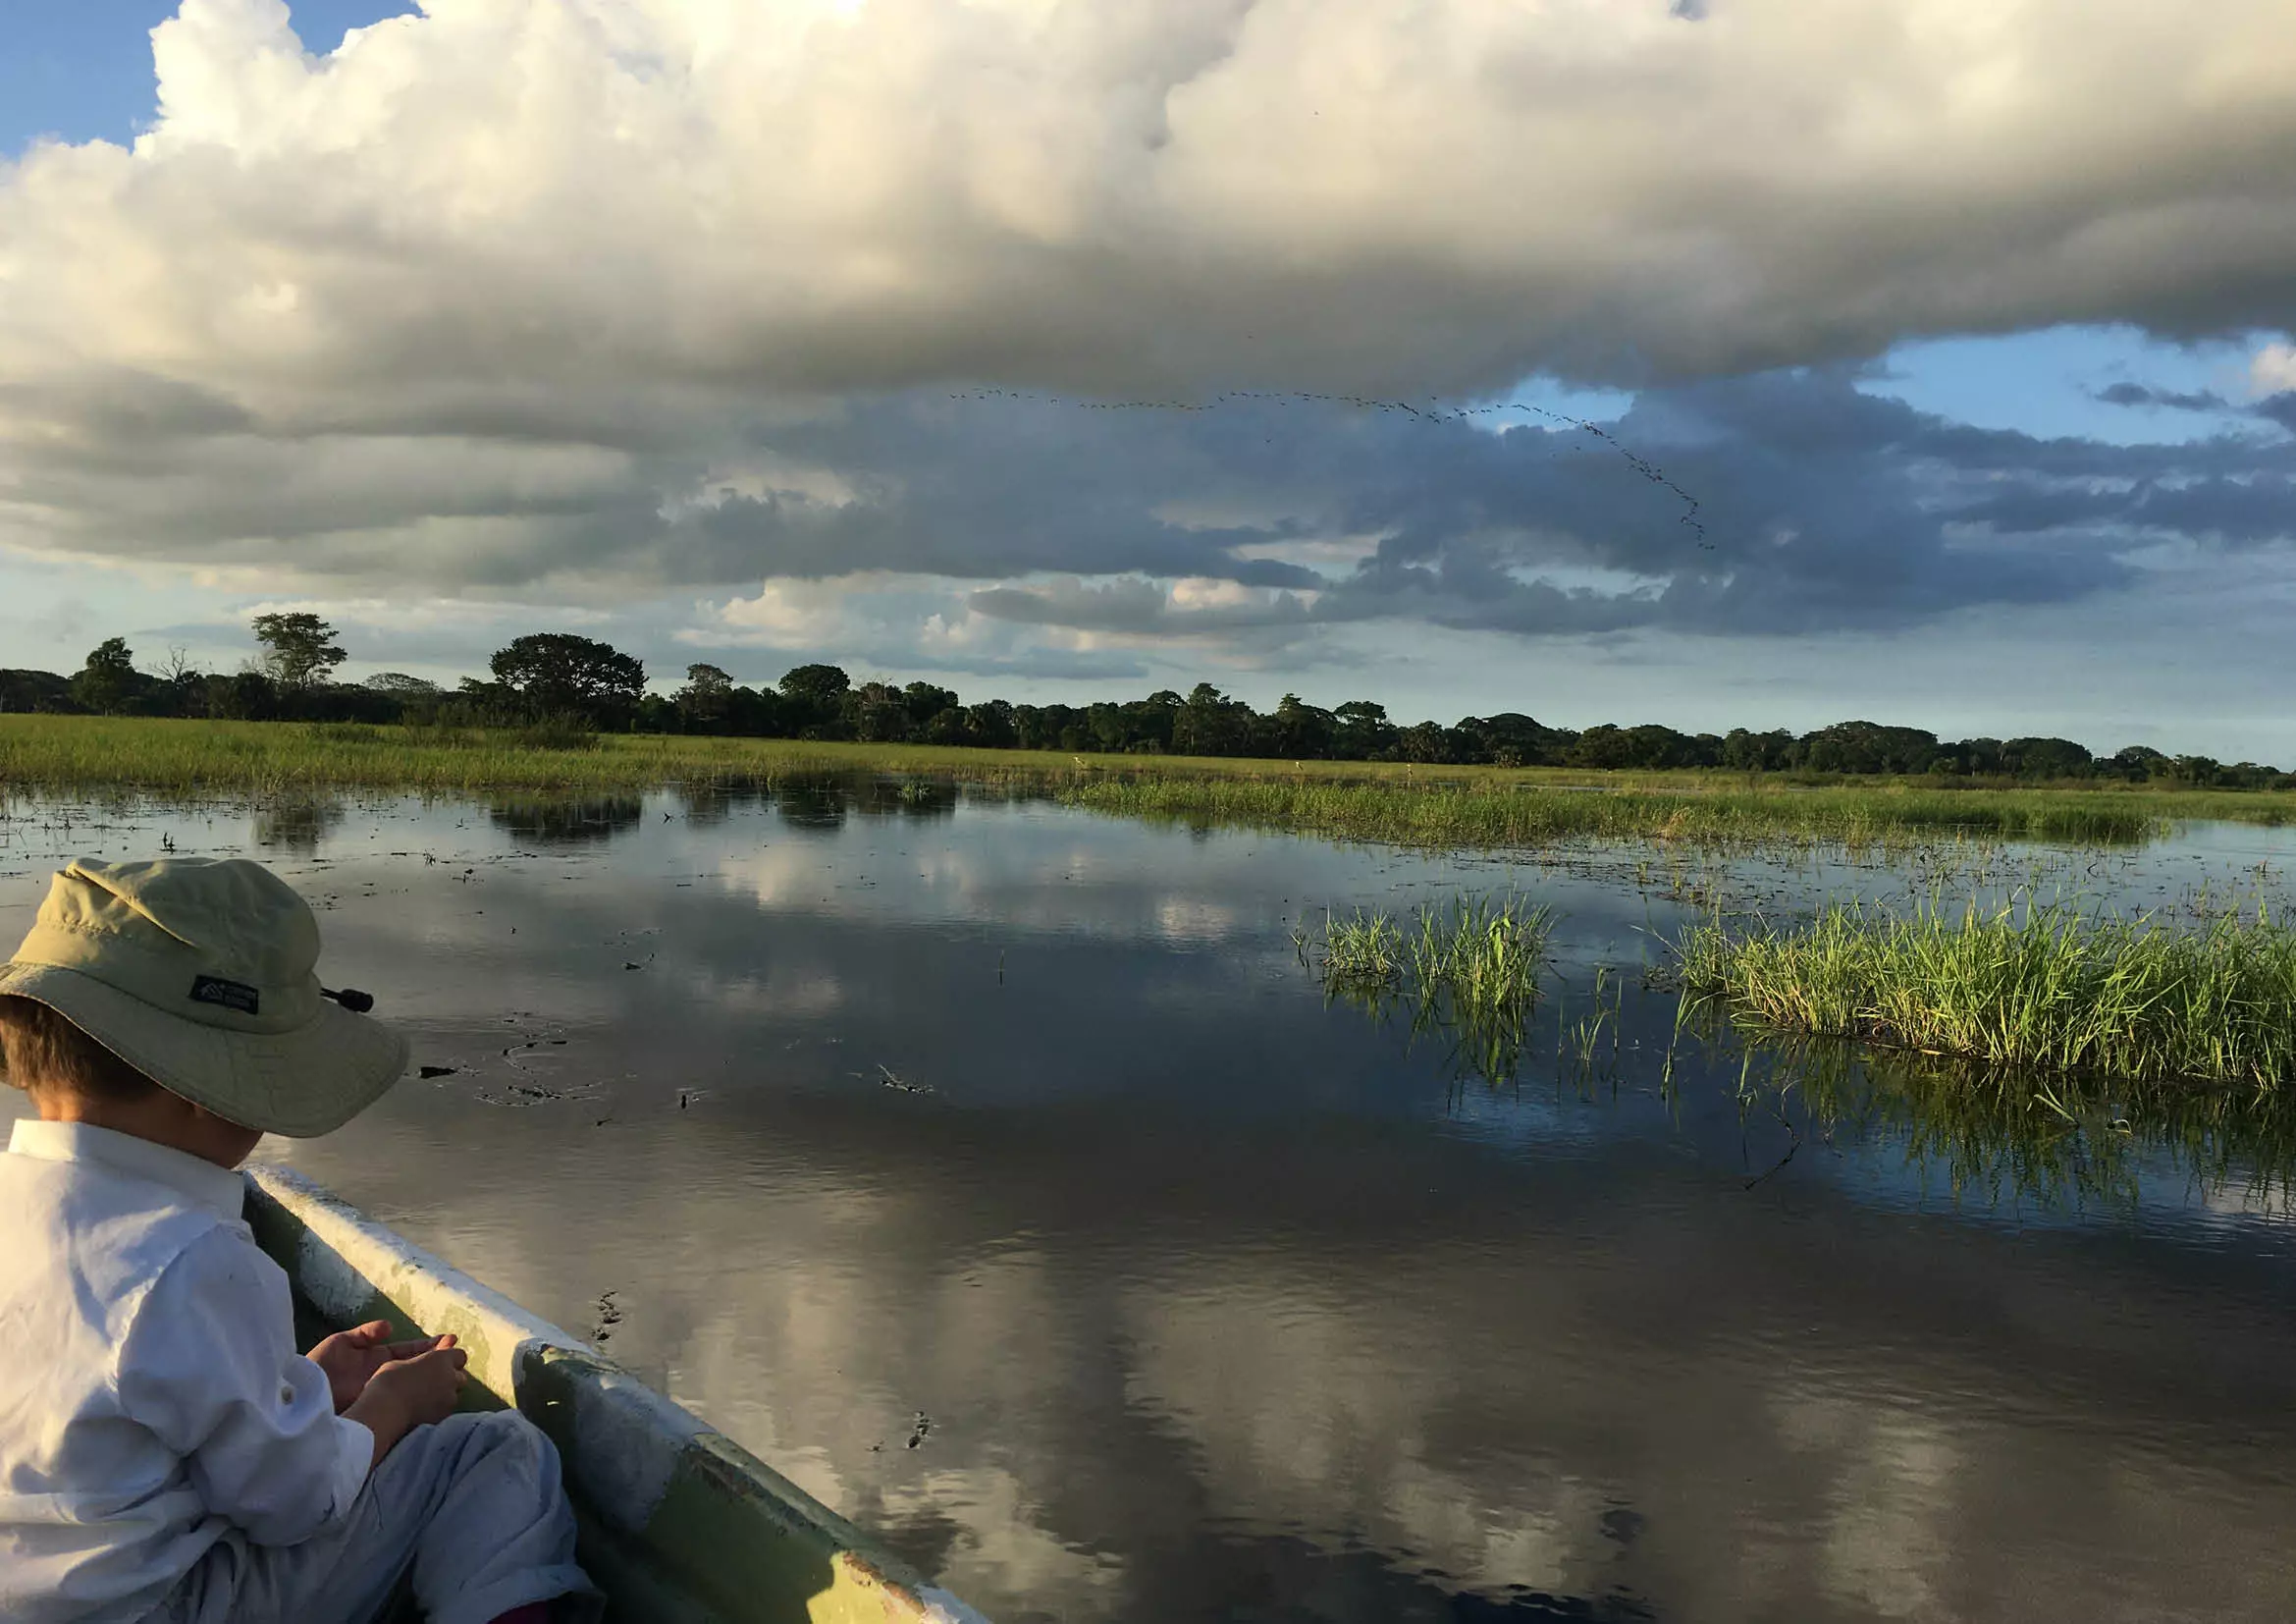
<point>469,1515</point>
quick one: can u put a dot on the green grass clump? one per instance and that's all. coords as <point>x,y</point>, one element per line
<point>2032,988</point>
<point>1480,956</point>
<point>1468,969</point>
<point>1364,950</point>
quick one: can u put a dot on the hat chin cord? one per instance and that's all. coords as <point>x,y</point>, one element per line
<point>352,999</point>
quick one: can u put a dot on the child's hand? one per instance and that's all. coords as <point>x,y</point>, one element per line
<point>421,1388</point>
<point>351,1358</point>
<point>407,1394</point>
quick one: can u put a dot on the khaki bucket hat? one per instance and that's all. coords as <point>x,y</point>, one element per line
<point>199,973</point>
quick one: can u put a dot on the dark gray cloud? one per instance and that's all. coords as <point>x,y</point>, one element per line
<point>751,662</point>
<point>2143,394</point>
<point>1819,507</point>
<point>1774,504</point>
<point>2279,409</point>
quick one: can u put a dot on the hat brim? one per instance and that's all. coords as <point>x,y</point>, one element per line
<point>300,1084</point>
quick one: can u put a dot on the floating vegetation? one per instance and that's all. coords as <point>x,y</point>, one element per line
<point>2041,988</point>
<point>1467,969</point>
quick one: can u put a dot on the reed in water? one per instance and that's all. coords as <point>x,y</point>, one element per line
<point>1467,969</point>
<point>2029,987</point>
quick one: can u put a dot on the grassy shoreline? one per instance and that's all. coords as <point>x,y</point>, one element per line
<point>1723,812</point>
<point>1399,803</point>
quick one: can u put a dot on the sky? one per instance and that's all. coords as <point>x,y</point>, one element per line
<point>1722,365</point>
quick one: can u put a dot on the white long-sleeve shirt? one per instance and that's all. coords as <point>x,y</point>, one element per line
<point>150,1393</point>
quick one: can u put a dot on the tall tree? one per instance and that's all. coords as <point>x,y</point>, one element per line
<point>818,684</point>
<point>1361,730</point>
<point>707,694</point>
<point>559,672</point>
<point>109,679</point>
<point>926,700</point>
<point>1210,724</point>
<point>815,700</point>
<point>1301,729</point>
<point>300,648</point>
<point>879,714</point>
<point>178,669</point>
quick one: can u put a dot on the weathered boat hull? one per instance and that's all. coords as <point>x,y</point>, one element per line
<point>679,1523</point>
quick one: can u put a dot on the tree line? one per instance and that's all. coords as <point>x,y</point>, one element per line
<point>561,684</point>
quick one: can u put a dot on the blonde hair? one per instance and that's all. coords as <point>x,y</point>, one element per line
<point>46,1055</point>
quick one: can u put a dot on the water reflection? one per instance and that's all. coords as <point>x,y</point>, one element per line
<point>1229,1305</point>
<point>295,825</point>
<point>560,821</point>
<point>1329,1376</point>
<point>1993,1135</point>
<point>824,803</point>
<point>707,805</point>
<point>1984,1135</point>
<point>804,803</point>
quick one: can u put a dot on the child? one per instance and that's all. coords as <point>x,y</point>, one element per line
<point>165,1454</point>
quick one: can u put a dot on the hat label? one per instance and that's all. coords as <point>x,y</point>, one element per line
<point>232,994</point>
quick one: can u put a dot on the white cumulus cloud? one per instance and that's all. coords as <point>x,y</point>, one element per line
<point>2272,370</point>
<point>549,296</point>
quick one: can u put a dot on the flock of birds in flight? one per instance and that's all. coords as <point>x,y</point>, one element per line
<point>1434,412</point>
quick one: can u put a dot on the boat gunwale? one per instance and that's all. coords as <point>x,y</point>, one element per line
<point>671,1509</point>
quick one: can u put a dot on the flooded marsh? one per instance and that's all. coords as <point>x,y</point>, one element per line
<point>1422,805</point>
<point>1000,1171</point>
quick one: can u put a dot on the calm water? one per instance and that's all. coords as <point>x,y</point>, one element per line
<point>1024,1135</point>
